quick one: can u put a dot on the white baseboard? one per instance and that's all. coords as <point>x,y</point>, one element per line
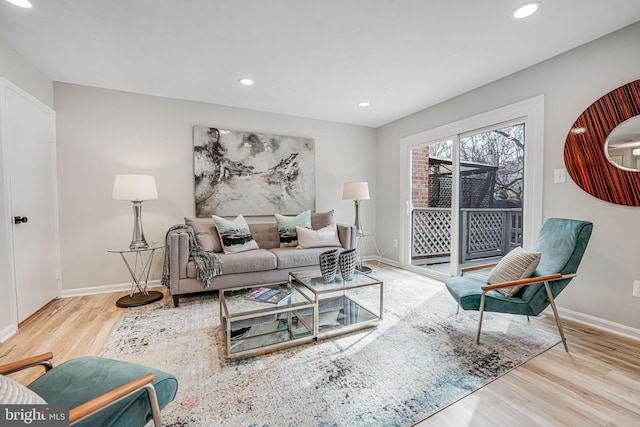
<point>103,289</point>
<point>8,332</point>
<point>382,260</point>
<point>596,323</point>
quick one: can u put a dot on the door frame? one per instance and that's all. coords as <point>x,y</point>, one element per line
<point>6,214</point>
<point>531,112</point>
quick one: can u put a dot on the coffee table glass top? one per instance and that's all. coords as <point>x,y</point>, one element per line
<point>237,304</point>
<point>313,279</point>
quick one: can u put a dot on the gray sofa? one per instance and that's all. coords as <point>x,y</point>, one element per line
<point>268,264</point>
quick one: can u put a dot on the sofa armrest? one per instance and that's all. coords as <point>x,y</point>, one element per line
<point>347,235</point>
<point>178,259</point>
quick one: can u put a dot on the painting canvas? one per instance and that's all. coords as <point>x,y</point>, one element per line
<point>250,173</point>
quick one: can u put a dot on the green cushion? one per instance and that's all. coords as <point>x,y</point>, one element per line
<point>467,292</point>
<point>79,380</point>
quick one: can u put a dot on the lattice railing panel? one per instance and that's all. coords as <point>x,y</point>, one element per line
<point>431,232</point>
<point>485,231</point>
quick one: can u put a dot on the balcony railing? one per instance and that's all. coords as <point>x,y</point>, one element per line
<point>485,233</point>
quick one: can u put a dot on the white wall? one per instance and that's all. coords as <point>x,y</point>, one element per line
<point>102,133</point>
<point>21,72</point>
<point>570,83</point>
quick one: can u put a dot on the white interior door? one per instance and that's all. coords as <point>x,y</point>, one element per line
<point>30,137</point>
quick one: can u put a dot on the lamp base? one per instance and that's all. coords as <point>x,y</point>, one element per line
<point>364,269</point>
<point>139,245</point>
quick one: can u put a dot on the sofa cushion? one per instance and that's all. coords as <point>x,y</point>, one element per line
<point>234,235</point>
<point>265,234</point>
<point>287,227</point>
<point>327,236</point>
<point>321,219</point>
<point>206,233</point>
<point>246,262</point>
<point>293,258</point>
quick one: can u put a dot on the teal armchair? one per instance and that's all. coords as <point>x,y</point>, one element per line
<point>98,391</point>
<point>562,243</point>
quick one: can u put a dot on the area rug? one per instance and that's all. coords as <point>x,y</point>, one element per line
<point>421,358</point>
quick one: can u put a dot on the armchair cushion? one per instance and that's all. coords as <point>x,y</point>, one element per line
<point>79,380</point>
<point>517,264</point>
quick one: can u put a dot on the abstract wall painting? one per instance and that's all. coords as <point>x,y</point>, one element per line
<point>250,173</point>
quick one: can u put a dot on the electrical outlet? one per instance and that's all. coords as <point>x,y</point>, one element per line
<point>636,288</point>
<point>395,243</point>
<point>559,176</point>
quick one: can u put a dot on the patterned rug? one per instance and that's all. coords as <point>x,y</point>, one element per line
<point>421,358</point>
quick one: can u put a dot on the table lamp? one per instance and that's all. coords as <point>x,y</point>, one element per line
<point>136,188</point>
<point>356,191</point>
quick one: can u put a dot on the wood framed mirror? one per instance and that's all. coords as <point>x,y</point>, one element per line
<point>594,157</point>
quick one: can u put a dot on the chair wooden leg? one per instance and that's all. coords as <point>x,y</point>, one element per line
<point>555,313</point>
<point>480,321</point>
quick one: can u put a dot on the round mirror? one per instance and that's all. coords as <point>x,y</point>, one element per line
<point>622,146</point>
<point>590,151</point>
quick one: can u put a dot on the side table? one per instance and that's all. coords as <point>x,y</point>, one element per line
<point>139,275</point>
<point>360,241</point>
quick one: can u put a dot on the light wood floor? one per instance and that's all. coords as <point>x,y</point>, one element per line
<point>597,384</point>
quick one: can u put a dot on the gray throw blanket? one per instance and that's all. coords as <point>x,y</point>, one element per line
<point>208,264</point>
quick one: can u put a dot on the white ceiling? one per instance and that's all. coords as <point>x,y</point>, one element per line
<point>311,59</point>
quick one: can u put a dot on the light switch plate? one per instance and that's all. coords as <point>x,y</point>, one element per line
<point>559,176</point>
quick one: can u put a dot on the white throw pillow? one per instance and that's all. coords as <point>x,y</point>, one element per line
<point>13,393</point>
<point>327,236</point>
<point>516,265</point>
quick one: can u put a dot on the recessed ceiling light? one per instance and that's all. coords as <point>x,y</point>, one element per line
<point>21,3</point>
<point>364,104</point>
<point>246,82</point>
<point>526,10</point>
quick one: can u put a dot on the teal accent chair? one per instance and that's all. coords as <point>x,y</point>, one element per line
<point>101,392</point>
<point>562,243</point>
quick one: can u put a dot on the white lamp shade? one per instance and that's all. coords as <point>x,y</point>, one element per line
<point>136,188</point>
<point>355,191</point>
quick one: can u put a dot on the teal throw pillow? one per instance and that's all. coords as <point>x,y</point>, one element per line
<point>287,227</point>
<point>235,235</point>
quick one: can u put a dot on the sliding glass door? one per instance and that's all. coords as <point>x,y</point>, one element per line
<point>466,193</point>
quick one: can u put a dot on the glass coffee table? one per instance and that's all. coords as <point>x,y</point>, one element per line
<point>253,327</point>
<point>313,310</point>
<point>341,306</point>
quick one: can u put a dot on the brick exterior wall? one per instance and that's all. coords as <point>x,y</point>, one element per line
<point>420,177</point>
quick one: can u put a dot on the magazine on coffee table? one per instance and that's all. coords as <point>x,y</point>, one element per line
<point>270,295</point>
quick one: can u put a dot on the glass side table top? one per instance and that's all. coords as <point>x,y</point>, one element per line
<point>152,246</point>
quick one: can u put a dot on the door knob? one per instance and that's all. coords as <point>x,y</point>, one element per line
<point>19,219</point>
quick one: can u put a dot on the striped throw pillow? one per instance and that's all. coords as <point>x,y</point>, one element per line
<point>517,264</point>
